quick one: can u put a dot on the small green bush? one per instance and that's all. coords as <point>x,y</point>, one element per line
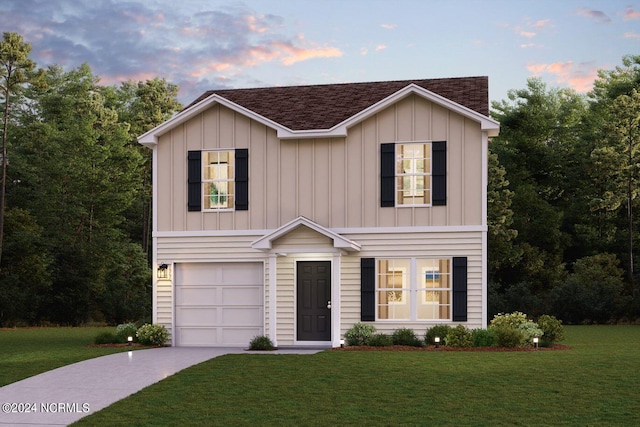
<point>261,343</point>
<point>155,335</point>
<point>459,337</point>
<point>125,330</point>
<point>518,320</point>
<point>406,336</point>
<point>552,328</point>
<point>359,334</point>
<point>107,338</point>
<point>484,337</point>
<point>380,340</point>
<point>436,331</point>
<point>507,336</point>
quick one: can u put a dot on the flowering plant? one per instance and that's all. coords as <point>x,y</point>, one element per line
<point>156,335</point>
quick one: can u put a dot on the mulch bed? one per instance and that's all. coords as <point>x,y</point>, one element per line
<point>445,348</point>
<point>134,345</point>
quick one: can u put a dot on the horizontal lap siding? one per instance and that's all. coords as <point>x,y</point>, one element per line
<point>418,245</point>
<point>286,301</point>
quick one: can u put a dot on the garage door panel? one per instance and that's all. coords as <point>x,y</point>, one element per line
<point>237,316</point>
<point>246,295</point>
<point>191,295</point>
<point>197,316</point>
<point>218,304</point>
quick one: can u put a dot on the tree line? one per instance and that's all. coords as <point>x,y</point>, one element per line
<point>75,199</point>
<point>76,192</point>
<point>563,200</point>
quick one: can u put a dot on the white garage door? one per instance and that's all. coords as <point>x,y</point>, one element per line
<point>218,304</point>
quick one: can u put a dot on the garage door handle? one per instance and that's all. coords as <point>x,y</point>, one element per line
<point>329,305</point>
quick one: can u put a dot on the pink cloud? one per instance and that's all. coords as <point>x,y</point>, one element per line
<point>542,23</point>
<point>630,14</point>
<point>579,77</point>
<point>381,47</point>
<point>117,79</point>
<point>388,26</point>
<point>632,35</point>
<point>527,34</point>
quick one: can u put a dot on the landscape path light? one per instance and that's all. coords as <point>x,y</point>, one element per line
<point>437,341</point>
<point>535,342</point>
<point>130,340</point>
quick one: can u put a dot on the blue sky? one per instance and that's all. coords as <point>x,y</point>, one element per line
<point>213,44</point>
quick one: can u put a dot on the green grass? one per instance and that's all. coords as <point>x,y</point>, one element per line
<point>25,352</point>
<point>594,383</point>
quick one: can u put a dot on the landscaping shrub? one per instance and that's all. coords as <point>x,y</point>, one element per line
<point>261,343</point>
<point>552,329</point>
<point>107,338</point>
<point>359,334</point>
<point>507,336</point>
<point>406,336</point>
<point>484,337</point>
<point>518,320</point>
<point>459,337</point>
<point>436,331</point>
<point>125,330</point>
<point>380,340</point>
<point>155,335</point>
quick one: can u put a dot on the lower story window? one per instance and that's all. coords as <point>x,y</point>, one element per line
<point>413,289</point>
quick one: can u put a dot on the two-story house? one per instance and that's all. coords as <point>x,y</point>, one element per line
<point>295,212</point>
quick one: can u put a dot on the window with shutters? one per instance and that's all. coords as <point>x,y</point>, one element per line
<point>413,174</point>
<point>218,180</point>
<point>414,289</point>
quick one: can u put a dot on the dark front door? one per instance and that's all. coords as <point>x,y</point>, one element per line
<point>314,301</point>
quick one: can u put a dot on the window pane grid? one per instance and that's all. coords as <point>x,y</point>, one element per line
<point>413,174</point>
<point>414,289</point>
<point>218,180</point>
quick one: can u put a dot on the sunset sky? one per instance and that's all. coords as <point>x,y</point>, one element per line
<point>201,45</point>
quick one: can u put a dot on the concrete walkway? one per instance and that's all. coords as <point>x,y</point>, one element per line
<point>66,394</point>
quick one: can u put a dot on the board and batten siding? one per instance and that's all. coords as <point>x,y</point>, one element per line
<point>333,181</point>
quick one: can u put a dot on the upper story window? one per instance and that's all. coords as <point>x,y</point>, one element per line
<point>413,174</point>
<point>218,179</point>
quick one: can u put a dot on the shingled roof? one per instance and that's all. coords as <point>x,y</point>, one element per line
<point>324,106</point>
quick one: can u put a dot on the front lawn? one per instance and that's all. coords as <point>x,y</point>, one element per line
<point>594,383</point>
<point>25,352</point>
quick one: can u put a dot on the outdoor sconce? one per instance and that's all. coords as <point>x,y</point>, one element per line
<point>163,272</point>
<point>535,342</point>
<point>130,340</point>
<point>437,341</point>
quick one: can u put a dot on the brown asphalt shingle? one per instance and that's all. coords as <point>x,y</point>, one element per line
<point>324,106</point>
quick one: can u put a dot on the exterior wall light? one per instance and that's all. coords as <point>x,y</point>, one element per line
<point>437,341</point>
<point>163,272</point>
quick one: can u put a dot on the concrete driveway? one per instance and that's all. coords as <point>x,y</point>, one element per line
<point>64,395</point>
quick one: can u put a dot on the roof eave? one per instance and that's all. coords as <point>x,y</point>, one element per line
<point>150,139</point>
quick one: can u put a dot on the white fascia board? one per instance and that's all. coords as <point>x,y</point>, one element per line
<point>150,138</point>
<point>487,124</point>
<point>265,242</point>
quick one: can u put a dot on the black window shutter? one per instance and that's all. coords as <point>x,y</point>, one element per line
<point>194,181</point>
<point>439,173</point>
<point>367,289</point>
<point>387,174</point>
<point>242,179</point>
<point>460,289</point>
